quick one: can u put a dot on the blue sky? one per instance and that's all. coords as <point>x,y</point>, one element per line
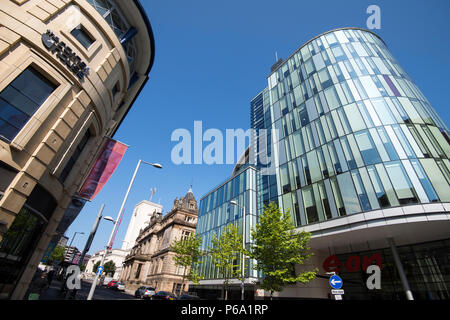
<point>212,57</point>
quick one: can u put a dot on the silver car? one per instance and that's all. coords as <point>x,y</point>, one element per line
<point>144,292</point>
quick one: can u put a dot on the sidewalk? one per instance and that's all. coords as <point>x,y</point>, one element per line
<point>53,292</point>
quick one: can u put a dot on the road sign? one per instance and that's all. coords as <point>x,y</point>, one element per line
<point>337,291</point>
<point>99,270</point>
<point>337,297</point>
<point>336,282</point>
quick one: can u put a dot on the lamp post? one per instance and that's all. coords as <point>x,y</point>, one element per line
<point>92,234</point>
<point>70,245</point>
<point>243,246</point>
<point>118,219</point>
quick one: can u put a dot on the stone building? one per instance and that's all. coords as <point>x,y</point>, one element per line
<point>70,70</point>
<point>150,261</point>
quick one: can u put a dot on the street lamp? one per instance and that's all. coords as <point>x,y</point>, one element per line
<point>70,245</point>
<point>243,246</point>
<point>116,222</point>
<point>93,232</point>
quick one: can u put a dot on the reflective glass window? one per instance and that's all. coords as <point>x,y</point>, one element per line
<point>354,117</point>
<point>82,36</point>
<point>387,184</point>
<point>438,180</point>
<point>337,196</point>
<point>309,204</point>
<point>21,99</point>
<point>360,191</point>
<point>387,143</point>
<point>367,147</point>
<point>401,182</point>
<point>349,197</point>
<point>332,98</point>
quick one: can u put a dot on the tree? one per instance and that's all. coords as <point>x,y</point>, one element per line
<point>187,255</point>
<point>277,248</point>
<point>225,253</point>
<point>57,255</point>
<point>95,267</point>
<point>108,268</point>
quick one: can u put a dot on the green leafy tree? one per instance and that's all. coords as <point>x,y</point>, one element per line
<point>57,255</point>
<point>95,267</point>
<point>277,248</point>
<point>225,253</point>
<point>108,268</point>
<point>187,255</point>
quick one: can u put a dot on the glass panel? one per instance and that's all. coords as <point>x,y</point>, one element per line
<point>310,205</point>
<point>387,184</point>
<point>404,142</point>
<point>383,111</point>
<point>314,167</point>
<point>378,186</point>
<point>337,196</point>
<point>284,179</point>
<point>373,199</point>
<point>324,200</point>
<point>349,196</point>
<point>367,147</point>
<point>354,117</point>
<point>33,85</point>
<point>402,184</point>
<point>348,153</point>
<point>360,191</point>
<point>437,178</point>
<point>332,98</point>
<point>82,36</point>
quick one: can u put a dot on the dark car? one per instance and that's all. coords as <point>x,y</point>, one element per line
<point>188,297</point>
<point>144,292</point>
<point>164,295</point>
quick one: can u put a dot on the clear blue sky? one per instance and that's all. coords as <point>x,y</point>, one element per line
<point>212,57</point>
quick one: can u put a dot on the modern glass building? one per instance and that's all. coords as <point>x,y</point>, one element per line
<point>360,158</point>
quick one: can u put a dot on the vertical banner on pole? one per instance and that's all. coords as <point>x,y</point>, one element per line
<point>104,166</point>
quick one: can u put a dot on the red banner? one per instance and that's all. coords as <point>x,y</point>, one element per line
<point>105,165</point>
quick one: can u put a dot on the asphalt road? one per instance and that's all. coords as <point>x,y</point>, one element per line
<point>101,293</point>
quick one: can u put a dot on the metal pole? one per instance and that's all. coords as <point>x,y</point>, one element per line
<point>92,235</point>
<point>243,256</point>
<point>70,245</point>
<point>400,269</point>
<point>110,244</point>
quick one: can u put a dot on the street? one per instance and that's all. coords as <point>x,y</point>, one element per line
<point>101,293</point>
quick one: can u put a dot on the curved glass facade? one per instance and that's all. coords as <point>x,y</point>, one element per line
<point>355,133</point>
<point>340,129</point>
<point>110,11</point>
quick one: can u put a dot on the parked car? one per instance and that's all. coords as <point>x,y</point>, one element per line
<point>144,292</point>
<point>111,283</point>
<point>188,297</point>
<point>164,295</point>
<point>106,280</point>
<point>119,286</point>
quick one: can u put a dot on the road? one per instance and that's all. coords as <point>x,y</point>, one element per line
<point>101,293</point>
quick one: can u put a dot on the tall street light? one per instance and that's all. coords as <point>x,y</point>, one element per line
<point>70,245</point>
<point>116,222</point>
<point>92,234</point>
<point>243,246</point>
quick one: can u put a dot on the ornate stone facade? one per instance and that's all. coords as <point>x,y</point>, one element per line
<point>70,70</point>
<point>150,262</point>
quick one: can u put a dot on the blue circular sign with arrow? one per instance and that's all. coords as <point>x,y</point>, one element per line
<point>336,282</point>
<point>99,270</point>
